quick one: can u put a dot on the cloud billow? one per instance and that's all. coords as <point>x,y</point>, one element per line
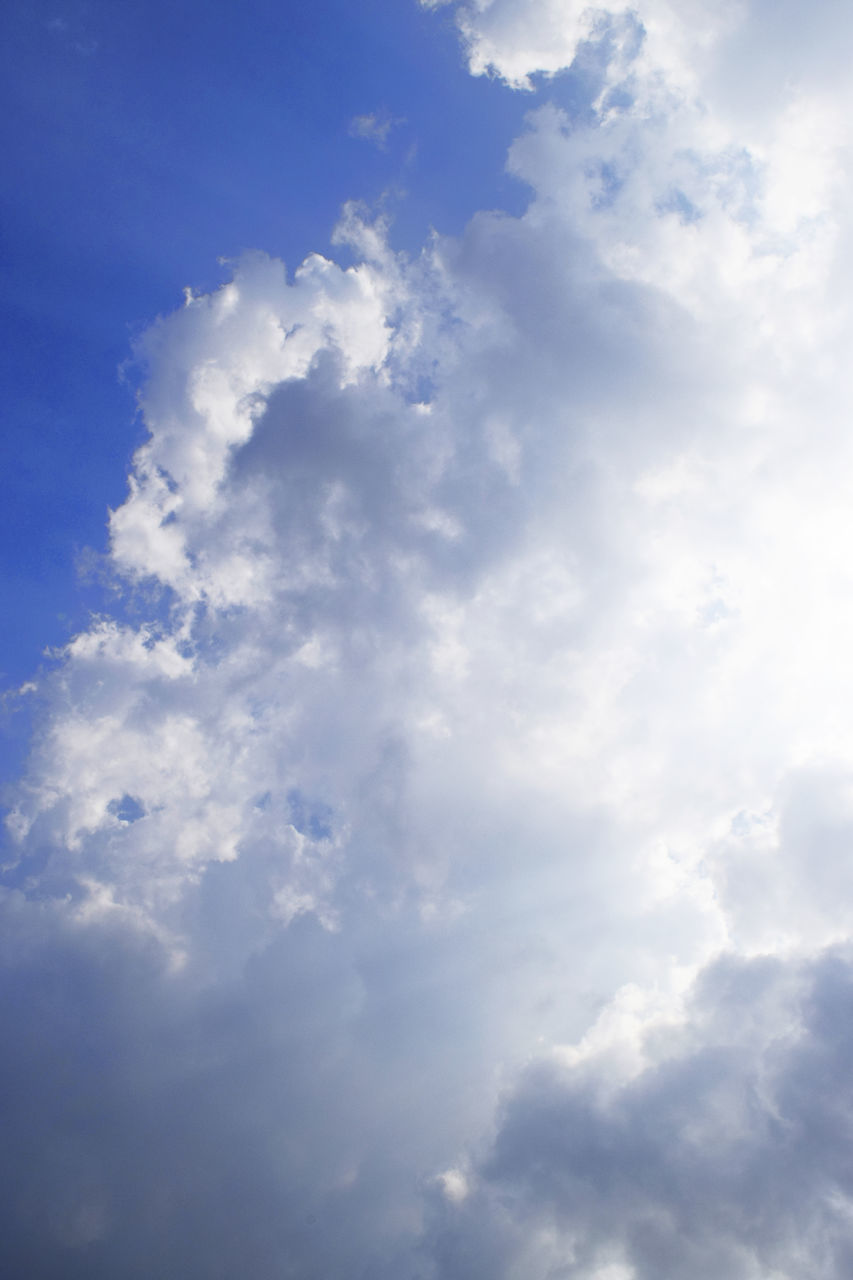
<point>449,878</point>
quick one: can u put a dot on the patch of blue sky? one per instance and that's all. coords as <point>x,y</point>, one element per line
<point>678,203</point>
<point>609,181</point>
<point>127,809</point>
<point>310,818</point>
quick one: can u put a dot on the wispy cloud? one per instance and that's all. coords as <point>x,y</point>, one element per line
<point>374,127</point>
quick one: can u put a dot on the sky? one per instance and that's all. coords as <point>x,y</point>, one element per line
<point>426,511</point>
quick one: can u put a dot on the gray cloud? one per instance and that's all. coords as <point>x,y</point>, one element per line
<point>722,1156</point>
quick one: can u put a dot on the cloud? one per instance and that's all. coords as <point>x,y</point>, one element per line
<point>373,127</point>
<point>371,893</point>
<point>719,1157</point>
<point>521,39</point>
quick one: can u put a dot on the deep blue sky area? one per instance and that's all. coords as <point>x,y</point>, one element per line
<point>143,142</point>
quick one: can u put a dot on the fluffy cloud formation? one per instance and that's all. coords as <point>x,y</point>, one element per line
<point>720,1157</point>
<point>448,875</point>
<point>521,39</point>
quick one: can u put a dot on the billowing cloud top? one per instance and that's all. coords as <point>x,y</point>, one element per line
<point>439,865</point>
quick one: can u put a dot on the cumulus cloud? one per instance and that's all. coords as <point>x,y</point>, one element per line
<point>449,876</point>
<point>720,1157</point>
<point>519,40</point>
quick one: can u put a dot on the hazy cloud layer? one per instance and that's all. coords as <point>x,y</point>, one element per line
<point>450,875</point>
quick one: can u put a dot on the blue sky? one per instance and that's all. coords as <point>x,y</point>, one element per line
<point>426,850</point>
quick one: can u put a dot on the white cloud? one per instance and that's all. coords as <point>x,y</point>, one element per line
<point>374,126</point>
<point>518,39</point>
<point>497,684</point>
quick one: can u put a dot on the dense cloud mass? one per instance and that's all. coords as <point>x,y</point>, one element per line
<point>439,865</point>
